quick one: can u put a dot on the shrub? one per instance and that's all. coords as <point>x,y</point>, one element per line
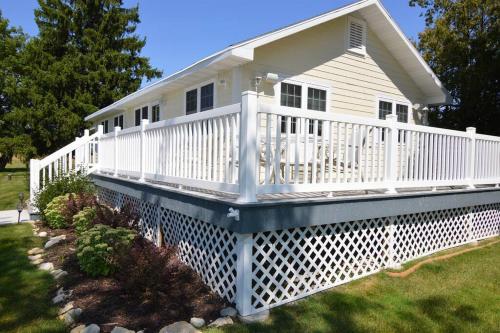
<point>124,217</point>
<point>71,183</point>
<point>76,203</point>
<point>99,248</point>
<point>82,221</point>
<point>54,212</point>
<point>149,273</point>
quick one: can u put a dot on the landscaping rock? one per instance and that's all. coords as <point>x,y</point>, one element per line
<point>91,329</point>
<point>46,266</point>
<point>71,317</point>
<point>37,261</point>
<point>61,296</point>
<point>54,240</point>
<point>222,321</point>
<point>42,234</point>
<point>179,327</point>
<point>66,308</point>
<point>197,322</point>
<point>58,273</point>
<point>228,312</point>
<point>35,250</point>
<point>119,329</point>
<point>255,318</point>
<point>35,257</point>
<point>78,329</point>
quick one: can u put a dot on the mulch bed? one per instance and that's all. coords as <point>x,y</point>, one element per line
<point>105,303</point>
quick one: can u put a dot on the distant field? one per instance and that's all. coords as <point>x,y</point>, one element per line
<point>9,189</point>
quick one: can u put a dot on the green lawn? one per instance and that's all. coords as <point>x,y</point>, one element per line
<point>25,292</point>
<point>460,294</point>
<point>10,188</point>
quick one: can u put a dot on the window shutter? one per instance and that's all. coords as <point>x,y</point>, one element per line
<point>357,36</point>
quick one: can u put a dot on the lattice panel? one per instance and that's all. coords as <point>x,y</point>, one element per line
<point>420,234</point>
<point>290,263</point>
<point>149,221</point>
<point>208,249</point>
<point>486,221</point>
<point>108,197</point>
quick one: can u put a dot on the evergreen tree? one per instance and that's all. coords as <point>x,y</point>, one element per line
<point>85,57</point>
<point>461,44</point>
<point>12,141</point>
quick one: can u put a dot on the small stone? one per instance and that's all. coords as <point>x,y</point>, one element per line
<point>179,327</point>
<point>66,308</point>
<point>71,316</point>
<point>93,328</point>
<point>58,299</point>
<point>61,296</point>
<point>35,250</point>
<point>197,322</point>
<point>52,242</point>
<point>60,237</point>
<point>35,257</point>
<point>42,234</point>
<point>222,321</point>
<point>119,329</point>
<point>78,329</point>
<point>46,266</point>
<point>37,261</point>
<point>228,312</point>
<point>255,318</point>
<point>58,274</point>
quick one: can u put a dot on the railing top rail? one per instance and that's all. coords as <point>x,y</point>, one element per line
<point>214,113</point>
<point>130,130</point>
<point>487,137</point>
<point>67,149</point>
<point>293,112</point>
<point>429,129</point>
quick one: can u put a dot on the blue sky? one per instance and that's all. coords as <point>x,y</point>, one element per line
<point>180,32</point>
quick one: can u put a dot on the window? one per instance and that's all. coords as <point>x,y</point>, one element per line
<point>207,97</point>
<point>291,96</point>
<point>145,110</point>
<point>384,108</point>
<point>118,121</point>
<point>105,125</point>
<point>316,99</point>
<point>402,113</point>
<point>192,101</point>
<point>137,117</point>
<point>356,36</point>
<point>155,113</point>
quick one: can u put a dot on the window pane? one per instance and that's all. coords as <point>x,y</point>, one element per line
<point>145,112</point>
<point>402,113</point>
<point>137,117</point>
<point>293,125</point>
<point>384,108</point>
<point>115,122</point>
<point>156,113</point>
<point>120,121</point>
<point>316,99</point>
<point>191,101</point>
<point>291,95</point>
<point>207,97</point>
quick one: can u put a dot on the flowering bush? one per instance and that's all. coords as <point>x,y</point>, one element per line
<point>54,212</point>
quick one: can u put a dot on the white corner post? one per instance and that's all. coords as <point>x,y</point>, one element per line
<point>471,157</point>
<point>34,179</point>
<point>144,124</point>
<point>392,153</point>
<point>115,150</point>
<point>244,274</point>
<point>86,150</point>
<point>100,132</point>
<point>247,173</point>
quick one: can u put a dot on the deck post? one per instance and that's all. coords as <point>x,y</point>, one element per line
<point>86,150</point>
<point>100,131</point>
<point>244,274</point>
<point>247,175</point>
<point>34,179</point>
<point>115,163</point>
<point>471,132</point>
<point>144,123</point>
<point>392,153</point>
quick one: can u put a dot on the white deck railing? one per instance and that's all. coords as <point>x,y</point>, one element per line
<point>253,149</point>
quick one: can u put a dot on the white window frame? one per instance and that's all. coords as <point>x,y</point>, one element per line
<point>394,101</point>
<point>361,52</point>
<point>159,109</point>
<point>198,95</point>
<point>305,84</point>
<point>118,115</point>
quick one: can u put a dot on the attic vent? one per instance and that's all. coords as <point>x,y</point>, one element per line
<point>356,36</point>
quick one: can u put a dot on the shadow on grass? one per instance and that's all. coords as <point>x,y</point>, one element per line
<point>25,302</point>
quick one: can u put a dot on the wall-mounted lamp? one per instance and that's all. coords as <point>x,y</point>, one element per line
<point>272,77</point>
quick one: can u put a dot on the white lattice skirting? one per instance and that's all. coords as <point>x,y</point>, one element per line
<point>277,267</point>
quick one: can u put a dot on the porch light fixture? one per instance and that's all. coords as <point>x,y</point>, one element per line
<point>272,77</point>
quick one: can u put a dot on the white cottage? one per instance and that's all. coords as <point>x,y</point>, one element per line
<point>294,161</point>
